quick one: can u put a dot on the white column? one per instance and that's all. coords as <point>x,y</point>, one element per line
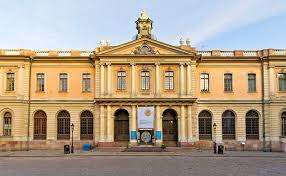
<point>189,79</point>
<point>109,79</point>
<point>133,79</point>
<point>182,79</point>
<point>102,124</point>
<point>157,79</point>
<point>190,124</point>
<point>158,132</point>
<point>182,125</point>
<point>133,128</point>
<point>110,125</point>
<point>102,83</point>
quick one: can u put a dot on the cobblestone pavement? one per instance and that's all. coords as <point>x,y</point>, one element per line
<point>143,165</point>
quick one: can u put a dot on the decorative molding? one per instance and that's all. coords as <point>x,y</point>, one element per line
<point>144,49</point>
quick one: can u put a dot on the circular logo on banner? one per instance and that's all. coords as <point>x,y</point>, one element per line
<point>147,112</point>
<point>146,136</point>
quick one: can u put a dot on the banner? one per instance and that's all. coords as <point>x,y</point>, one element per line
<point>145,117</point>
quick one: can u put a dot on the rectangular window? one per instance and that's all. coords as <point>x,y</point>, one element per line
<point>228,82</point>
<point>63,82</point>
<point>10,82</point>
<point>121,80</point>
<point>86,82</point>
<point>169,80</point>
<point>282,81</point>
<point>40,82</point>
<point>251,82</point>
<point>145,80</point>
<point>204,82</point>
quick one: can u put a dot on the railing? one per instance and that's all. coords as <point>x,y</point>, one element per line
<point>279,52</point>
<point>249,53</point>
<point>11,52</point>
<point>227,53</point>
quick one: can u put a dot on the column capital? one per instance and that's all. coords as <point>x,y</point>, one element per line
<point>108,63</point>
<point>182,63</point>
<point>101,63</point>
<point>157,63</point>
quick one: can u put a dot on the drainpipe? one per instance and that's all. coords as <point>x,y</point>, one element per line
<point>263,104</point>
<point>29,103</point>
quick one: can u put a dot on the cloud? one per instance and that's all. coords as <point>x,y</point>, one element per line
<point>229,15</point>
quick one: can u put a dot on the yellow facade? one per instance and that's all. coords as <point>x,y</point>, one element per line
<point>104,98</point>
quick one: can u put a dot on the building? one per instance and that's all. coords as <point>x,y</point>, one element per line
<point>185,97</point>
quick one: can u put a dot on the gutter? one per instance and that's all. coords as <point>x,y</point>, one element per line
<point>29,103</point>
<point>263,103</point>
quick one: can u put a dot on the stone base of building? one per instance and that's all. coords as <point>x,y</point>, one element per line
<point>230,145</point>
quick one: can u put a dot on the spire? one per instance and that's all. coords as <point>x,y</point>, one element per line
<point>144,25</point>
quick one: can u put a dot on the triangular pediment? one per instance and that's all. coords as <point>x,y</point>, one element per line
<point>145,46</point>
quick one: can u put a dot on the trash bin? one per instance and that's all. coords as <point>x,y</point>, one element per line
<point>220,149</point>
<point>66,149</point>
<point>86,147</point>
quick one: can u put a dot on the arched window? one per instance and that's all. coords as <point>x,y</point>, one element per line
<point>283,116</point>
<point>63,125</point>
<point>228,125</point>
<point>86,125</point>
<point>205,125</point>
<point>40,125</point>
<point>7,124</point>
<point>252,125</point>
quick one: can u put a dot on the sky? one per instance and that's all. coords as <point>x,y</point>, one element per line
<point>82,24</point>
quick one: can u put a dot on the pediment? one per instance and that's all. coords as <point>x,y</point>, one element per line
<point>145,47</point>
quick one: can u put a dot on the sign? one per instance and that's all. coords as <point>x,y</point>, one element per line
<point>145,117</point>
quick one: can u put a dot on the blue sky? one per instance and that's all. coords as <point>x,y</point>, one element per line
<point>81,24</point>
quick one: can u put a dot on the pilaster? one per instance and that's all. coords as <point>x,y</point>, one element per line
<point>110,125</point>
<point>158,131</point>
<point>182,79</point>
<point>133,79</point>
<point>102,124</point>
<point>182,137</point>
<point>133,128</point>
<point>157,66</point>
<point>189,126</point>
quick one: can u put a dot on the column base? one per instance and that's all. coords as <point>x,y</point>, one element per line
<point>158,143</point>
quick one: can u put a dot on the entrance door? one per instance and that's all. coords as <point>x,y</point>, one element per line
<point>170,127</point>
<point>121,125</point>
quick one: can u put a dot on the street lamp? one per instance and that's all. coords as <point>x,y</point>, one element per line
<point>214,140</point>
<point>72,128</point>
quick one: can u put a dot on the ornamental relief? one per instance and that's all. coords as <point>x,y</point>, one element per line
<point>144,49</point>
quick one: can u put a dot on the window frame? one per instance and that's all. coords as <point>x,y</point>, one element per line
<point>63,125</point>
<point>62,78</point>
<point>86,125</point>
<point>283,79</point>
<point>40,88</point>
<point>252,124</point>
<point>283,124</point>
<point>205,82</point>
<point>86,82</point>
<point>250,88</point>
<point>7,124</point>
<point>169,80</point>
<point>121,80</point>
<point>228,82</point>
<point>145,80</point>
<point>10,82</point>
<point>228,126</point>
<point>205,117</point>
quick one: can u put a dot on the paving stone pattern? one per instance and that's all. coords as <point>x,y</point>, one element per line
<point>143,166</point>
